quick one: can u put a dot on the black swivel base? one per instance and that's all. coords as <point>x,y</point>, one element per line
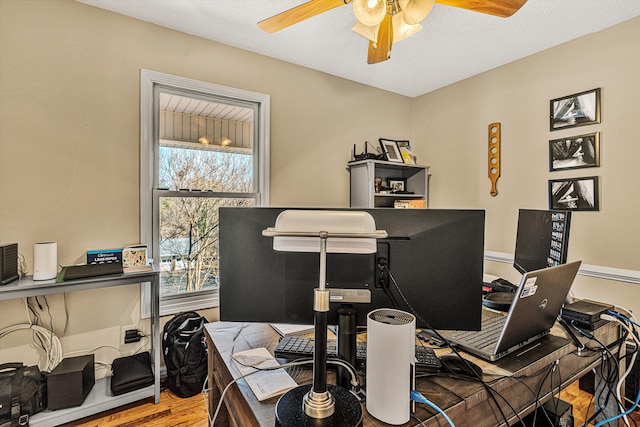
<point>289,411</point>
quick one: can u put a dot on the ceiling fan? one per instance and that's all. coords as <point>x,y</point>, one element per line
<point>384,22</point>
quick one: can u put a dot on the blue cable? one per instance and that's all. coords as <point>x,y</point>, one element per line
<point>627,412</point>
<point>418,397</point>
<point>635,404</point>
<point>620,316</point>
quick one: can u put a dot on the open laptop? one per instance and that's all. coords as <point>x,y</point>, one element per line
<point>534,310</point>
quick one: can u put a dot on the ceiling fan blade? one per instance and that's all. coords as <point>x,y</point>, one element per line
<point>502,8</point>
<point>381,50</point>
<point>299,13</point>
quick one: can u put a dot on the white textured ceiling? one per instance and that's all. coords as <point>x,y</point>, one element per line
<point>454,43</point>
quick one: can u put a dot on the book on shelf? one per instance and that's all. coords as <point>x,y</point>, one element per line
<point>100,256</point>
<point>407,154</point>
<point>410,204</point>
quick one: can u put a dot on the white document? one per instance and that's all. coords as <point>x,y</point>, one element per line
<point>264,384</point>
<point>286,329</point>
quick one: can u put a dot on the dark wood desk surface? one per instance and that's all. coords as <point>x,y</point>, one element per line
<point>516,380</point>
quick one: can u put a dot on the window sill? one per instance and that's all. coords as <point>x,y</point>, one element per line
<point>170,305</point>
<point>196,301</point>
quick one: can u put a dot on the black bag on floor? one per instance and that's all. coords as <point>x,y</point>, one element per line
<point>23,392</point>
<point>184,353</point>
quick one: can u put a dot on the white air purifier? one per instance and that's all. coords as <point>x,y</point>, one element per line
<point>390,364</point>
<point>45,261</point>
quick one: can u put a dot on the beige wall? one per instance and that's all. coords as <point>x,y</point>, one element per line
<point>450,134</point>
<point>69,141</point>
<point>69,137</point>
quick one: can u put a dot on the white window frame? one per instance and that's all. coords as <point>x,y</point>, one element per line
<point>150,81</point>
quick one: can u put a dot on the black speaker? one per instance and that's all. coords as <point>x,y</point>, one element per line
<point>8,263</point>
<point>70,382</point>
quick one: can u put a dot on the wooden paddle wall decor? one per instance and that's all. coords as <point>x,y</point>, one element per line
<point>494,157</point>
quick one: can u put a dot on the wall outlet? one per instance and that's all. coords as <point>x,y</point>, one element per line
<point>123,333</point>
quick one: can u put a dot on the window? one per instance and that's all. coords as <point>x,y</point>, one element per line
<point>203,146</point>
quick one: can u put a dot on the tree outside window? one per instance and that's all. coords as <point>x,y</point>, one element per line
<point>189,225</point>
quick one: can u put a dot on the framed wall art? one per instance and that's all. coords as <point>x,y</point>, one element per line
<point>582,151</point>
<point>579,109</point>
<point>578,194</point>
<point>391,150</point>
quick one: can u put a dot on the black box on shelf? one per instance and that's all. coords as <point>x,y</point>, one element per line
<point>70,382</point>
<point>131,373</point>
<point>554,413</point>
<point>8,263</point>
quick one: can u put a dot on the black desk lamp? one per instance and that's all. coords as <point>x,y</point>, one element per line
<point>323,232</point>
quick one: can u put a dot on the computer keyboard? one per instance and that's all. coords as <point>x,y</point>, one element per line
<point>295,347</point>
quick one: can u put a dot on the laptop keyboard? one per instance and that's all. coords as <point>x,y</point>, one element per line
<point>487,335</point>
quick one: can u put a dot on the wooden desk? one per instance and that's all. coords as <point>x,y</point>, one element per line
<point>517,378</point>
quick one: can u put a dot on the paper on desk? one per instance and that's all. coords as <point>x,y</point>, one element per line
<point>264,384</point>
<point>285,329</point>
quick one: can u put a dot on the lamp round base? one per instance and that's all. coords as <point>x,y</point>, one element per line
<point>289,411</point>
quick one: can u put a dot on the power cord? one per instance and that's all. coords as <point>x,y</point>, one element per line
<point>212,420</point>
<point>42,338</point>
<point>616,317</point>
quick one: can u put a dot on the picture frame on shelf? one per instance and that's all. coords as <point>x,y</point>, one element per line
<point>577,194</point>
<point>582,151</point>
<point>579,109</point>
<point>405,150</point>
<point>391,150</point>
<point>397,185</point>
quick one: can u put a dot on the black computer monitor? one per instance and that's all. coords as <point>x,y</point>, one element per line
<point>542,239</point>
<point>435,257</point>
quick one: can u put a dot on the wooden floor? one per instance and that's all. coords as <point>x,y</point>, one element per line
<point>174,411</point>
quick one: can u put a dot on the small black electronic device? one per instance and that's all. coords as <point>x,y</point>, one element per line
<point>585,313</point>
<point>554,413</point>
<point>89,270</point>
<point>365,155</point>
<point>454,364</point>
<point>131,373</point>
<point>8,263</point>
<point>70,382</point>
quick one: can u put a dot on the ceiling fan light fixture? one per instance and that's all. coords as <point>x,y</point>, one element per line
<point>368,32</point>
<point>416,10</point>
<point>402,30</point>
<point>370,12</point>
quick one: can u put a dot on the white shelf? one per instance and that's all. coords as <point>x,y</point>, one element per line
<point>98,400</point>
<point>362,176</point>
